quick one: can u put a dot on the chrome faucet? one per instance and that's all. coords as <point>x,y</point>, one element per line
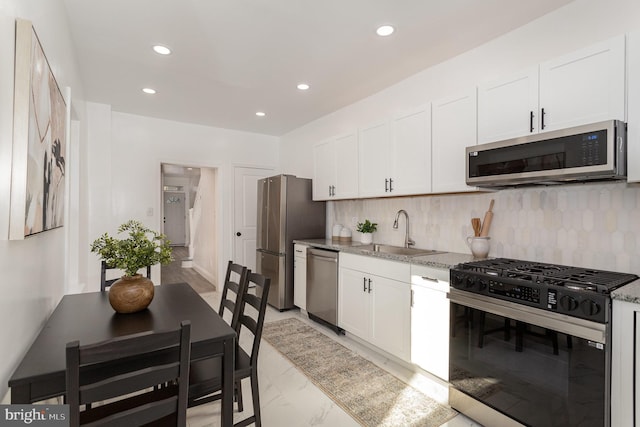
<point>407,240</point>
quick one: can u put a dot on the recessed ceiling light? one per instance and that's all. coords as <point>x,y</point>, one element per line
<point>149,90</point>
<point>303,86</point>
<point>385,30</point>
<point>162,50</point>
<point>261,114</point>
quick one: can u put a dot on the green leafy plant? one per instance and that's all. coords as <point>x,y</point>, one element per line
<point>367,226</point>
<point>143,247</point>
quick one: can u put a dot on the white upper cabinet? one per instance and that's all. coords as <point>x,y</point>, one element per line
<point>335,164</point>
<point>633,105</point>
<point>410,156</point>
<point>395,155</point>
<point>585,86</point>
<point>508,108</point>
<point>324,170</point>
<point>374,146</point>
<point>453,128</point>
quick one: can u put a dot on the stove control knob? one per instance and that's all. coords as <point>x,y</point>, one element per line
<point>590,308</point>
<point>568,303</point>
<point>470,282</point>
<point>484,284</point>
<point>458,279</point>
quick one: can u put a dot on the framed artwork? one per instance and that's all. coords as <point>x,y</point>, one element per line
<point>39,140</point>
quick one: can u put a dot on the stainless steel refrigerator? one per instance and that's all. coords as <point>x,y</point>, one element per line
<point>285,212</point>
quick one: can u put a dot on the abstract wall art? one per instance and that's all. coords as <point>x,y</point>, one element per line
<point>39,140</point>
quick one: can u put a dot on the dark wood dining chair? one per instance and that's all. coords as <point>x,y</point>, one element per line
<point>235,283</point>
<point>205,379</point>
<point>124,372</point>
<point>104,283</point>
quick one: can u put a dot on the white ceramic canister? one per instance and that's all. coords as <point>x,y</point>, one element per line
<point>479,246</point>
<point>335,234</point>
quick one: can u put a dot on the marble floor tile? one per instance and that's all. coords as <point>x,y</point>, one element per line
<point>288,398</point>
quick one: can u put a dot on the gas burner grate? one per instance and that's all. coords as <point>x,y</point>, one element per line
<point>576,278</point>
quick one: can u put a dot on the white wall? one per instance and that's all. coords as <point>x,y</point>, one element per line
<point>34,270</point>
<point>574,26</point>
<point>125,152</point>
<point>206,240</point>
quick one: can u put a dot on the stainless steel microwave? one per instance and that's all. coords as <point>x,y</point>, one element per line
<point>590,152</point>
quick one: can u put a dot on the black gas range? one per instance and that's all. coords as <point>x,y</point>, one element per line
<point>573,291</point>
<point>528,335</point>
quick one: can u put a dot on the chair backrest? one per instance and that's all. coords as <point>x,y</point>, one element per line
<point>235,282</point>
<point>253,319</point>
<point>104,283</point>
<point>125,365</point>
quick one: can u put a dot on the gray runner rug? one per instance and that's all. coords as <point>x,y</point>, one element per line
<point>371,395</point>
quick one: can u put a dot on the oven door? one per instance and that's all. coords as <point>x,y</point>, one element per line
<point>535,367</point>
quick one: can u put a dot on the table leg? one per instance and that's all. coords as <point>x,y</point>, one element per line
<point>228,362</point>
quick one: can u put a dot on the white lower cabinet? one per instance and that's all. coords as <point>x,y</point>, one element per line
<point>625,363</point>
<point>374,299</point>
<point>430,319</point>
<point>300,276</point>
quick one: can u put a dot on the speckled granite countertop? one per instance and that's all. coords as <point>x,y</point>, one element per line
<point>438,260</point>
<point>628,293</point>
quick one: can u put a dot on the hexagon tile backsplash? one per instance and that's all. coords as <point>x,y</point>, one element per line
<point>586,225</point>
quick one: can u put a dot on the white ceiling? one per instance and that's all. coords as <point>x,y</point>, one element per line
<point>232,58</point>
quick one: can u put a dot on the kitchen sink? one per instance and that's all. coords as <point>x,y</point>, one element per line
<point>398,250</point>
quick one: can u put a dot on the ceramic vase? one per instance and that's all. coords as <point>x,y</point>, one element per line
<point>131,294</point>
<point>479,246</point>
<point>366,238</point>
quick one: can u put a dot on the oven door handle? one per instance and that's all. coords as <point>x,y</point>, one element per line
<point>546,319</point>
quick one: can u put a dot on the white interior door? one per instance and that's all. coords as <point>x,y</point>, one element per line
<point>245,214</point>
<point>175,217</point>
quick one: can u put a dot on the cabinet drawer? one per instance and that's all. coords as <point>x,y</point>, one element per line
<point>441,274</point>
<point>300,250</point>
<point>400,271</point>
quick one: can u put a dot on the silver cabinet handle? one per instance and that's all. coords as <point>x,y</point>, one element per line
<point>430,279</point>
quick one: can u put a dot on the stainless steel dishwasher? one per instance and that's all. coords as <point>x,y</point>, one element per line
<point>322,287</point>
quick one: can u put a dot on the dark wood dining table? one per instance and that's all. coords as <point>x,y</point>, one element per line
<point>89,318</point>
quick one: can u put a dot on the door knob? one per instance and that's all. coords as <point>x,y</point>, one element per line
<point>238,234</point>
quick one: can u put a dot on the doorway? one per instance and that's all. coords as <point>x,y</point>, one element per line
<point>189,221</point>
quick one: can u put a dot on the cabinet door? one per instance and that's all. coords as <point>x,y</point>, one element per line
<point>346,166</point>
<point>391,316</point>
<point>430,331</point>
<point>625,363</point>
<point>633,105</point>
<point>508,108</point>
<point>354,314</point>
<point>586,86</point>
<point>324,170</point>
<point>373,146</point>
<point>453,129</point>
<point>300,276</point>
<point>411,153</point>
